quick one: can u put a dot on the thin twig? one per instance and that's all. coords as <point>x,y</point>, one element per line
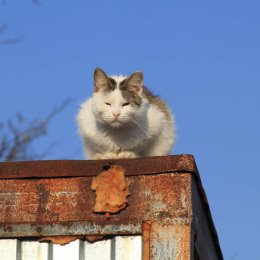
<point>17,137</point>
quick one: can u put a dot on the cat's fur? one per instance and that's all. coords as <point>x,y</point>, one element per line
<point>123,119</point>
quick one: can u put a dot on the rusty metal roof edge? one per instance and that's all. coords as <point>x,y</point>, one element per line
<point>184,163</point>
<point>89,168</point>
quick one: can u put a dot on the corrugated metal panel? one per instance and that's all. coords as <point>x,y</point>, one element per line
<point>67,252</point>
<point>127,248</point>
<point>34,250</point>
<point>98,250</point>
<point>118,248</point>
<point>8,248</point>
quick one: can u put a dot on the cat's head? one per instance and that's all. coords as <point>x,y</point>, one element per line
<point>117,100</point>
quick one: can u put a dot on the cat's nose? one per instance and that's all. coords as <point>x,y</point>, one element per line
<point>116,114</point>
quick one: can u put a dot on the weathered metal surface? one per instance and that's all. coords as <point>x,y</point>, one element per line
<point>170,242</point>
<point>69,229</point>
<point>162,241</point>
<point>52,198</point>
<point>71,199</point>
<point>84,168</point>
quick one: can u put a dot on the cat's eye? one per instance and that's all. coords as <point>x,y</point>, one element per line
<point>108,104</point>
<point>125,104</point>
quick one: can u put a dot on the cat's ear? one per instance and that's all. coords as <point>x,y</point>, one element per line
<point>136,82</point>
<point>100,80</point>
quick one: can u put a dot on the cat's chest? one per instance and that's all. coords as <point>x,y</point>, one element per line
<point>122,139</point>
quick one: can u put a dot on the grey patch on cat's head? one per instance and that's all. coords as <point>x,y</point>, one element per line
<point>102,82</point>
<point>112,84</point>
<point>132,88</point>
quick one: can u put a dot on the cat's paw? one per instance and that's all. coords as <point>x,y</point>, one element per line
<point>99,156</point>
<point>127,154</point>
<point>111,156</point>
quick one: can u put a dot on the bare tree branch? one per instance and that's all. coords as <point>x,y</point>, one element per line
<point>3,28</point>
<point>37,2</point>
<point>17,136</point>
<point>11,41</point>
<point>3,2</point>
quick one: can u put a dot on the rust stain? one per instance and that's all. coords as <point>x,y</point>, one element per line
<point>8,228</point>
<point>111,188</point>
<point>92,239</point>
<point>165,197</point>
<point>60,240</point>
<point>64,240</point>
<point>43,205</point>
<point>146,240</point>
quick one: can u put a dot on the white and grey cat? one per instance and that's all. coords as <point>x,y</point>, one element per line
<point>123,119</point>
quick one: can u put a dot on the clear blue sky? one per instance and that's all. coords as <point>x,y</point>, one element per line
<point>202,56</point>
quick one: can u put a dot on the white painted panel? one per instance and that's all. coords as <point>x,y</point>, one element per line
<point>100,250</point>
<point>34,250</point>
<point>8,249</point>
<point>66,252</point>
<point>118,248</point>
<point>128,248</point>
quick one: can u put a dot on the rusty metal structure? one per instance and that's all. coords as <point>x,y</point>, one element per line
<point>167,205</point>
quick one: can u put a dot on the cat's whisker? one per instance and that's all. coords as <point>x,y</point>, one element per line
<point>139,125</point>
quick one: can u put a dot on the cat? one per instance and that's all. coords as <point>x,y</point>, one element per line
<point>123,119</point>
